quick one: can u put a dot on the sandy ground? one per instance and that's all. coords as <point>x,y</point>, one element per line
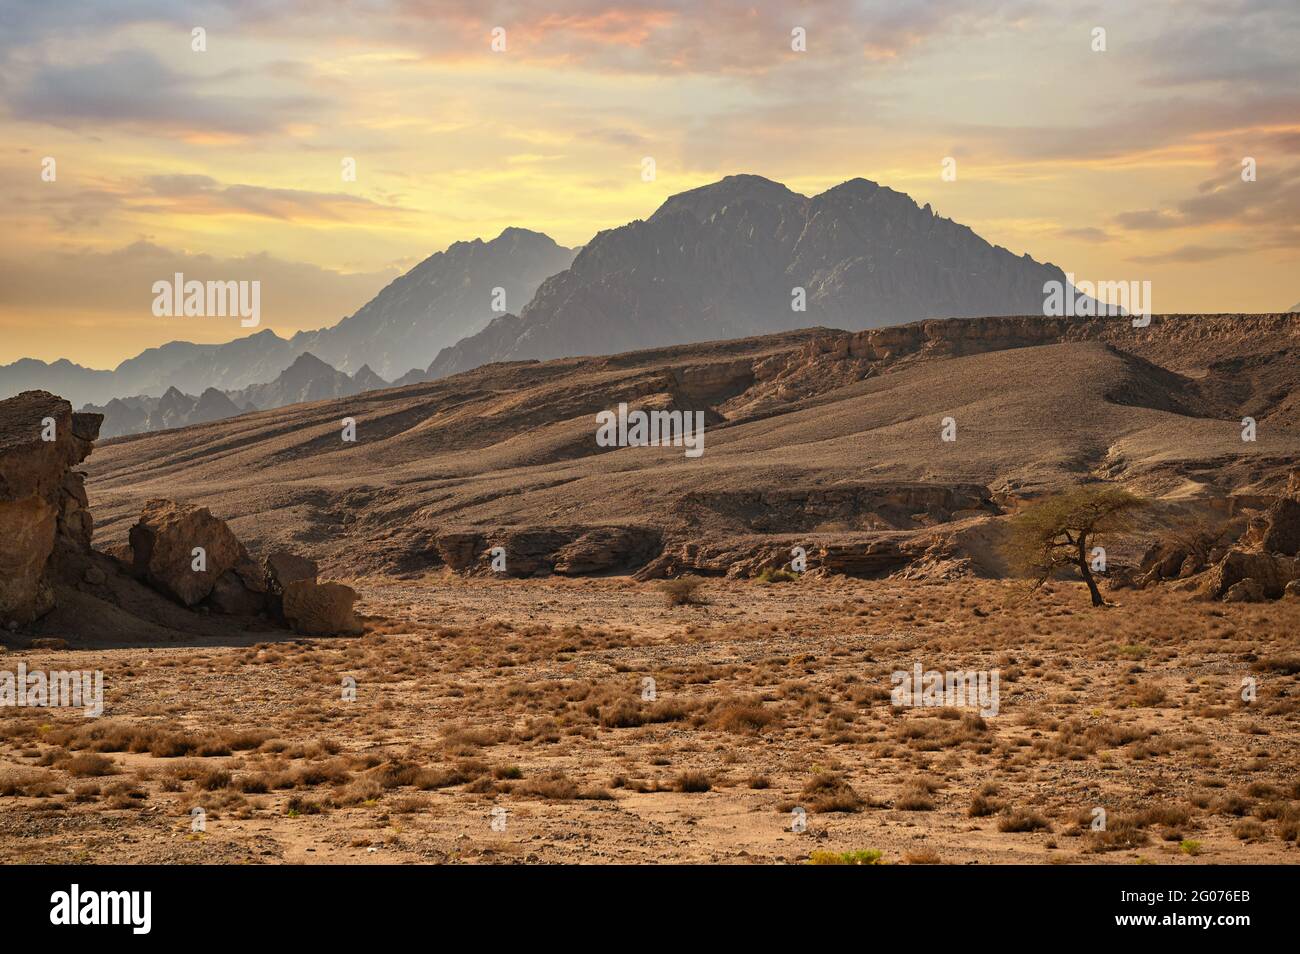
<point>520,704</point>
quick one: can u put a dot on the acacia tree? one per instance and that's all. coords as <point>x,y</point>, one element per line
<point>1057,532</point>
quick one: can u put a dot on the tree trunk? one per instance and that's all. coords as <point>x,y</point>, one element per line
<point>1085,571</point>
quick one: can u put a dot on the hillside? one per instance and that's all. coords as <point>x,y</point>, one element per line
<point>817,432</point>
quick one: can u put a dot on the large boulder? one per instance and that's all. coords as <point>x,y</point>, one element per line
<point>280,568</point>
<point>1282,533</point>
<point>163,544</point>
<point>42,500</point>
<point>1245,591</point>
<point>321,609</point>
<point>1271,572</point>
<point>284,567</point>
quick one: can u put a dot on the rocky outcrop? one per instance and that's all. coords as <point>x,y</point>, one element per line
<point>846,507</point>
<point>42,500</point>
<point>321,609</point>
<point>1263,565</point>
<point>53,584</point>
<point>182,550</point>
<point>734,559</point>
<point>530,551</point>
<point>606,549</point>
<point>1269,572</point>
<point>1282,534</point>
<point>874,558</point>
<point>867,557</point>
<point>459,549</point>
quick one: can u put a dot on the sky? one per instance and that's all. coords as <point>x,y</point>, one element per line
<point>227,161</point>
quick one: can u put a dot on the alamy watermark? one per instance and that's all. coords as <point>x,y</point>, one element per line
<point>56,689</point>
<point>130,908</point>
<point>195,299</point>
<point>1085,299</point>
<point>651,429</point>
<point>972,688</point>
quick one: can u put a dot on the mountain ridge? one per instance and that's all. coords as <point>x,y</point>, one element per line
<point>727,260</point>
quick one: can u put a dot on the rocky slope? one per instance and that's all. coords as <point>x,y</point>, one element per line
<point>721,262</point>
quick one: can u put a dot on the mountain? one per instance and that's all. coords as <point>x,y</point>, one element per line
<point>76,383</point>
<point>718,262</point>
<point>722,261</point>
<point>213,405</point>
<point>367,380</point>
<point>447,297</point>
<point>307,379</point>
<point>172,410</point>
<point>812,437</point>
<point>122,416</point>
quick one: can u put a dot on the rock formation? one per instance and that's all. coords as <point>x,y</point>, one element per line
<point>53,583</point>
<point>1259,564</point>
<point>42,499</point>
<point>183,551</point>
<point>321,609</point>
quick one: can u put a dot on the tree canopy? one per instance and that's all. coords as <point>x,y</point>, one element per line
<point>1056,532</point>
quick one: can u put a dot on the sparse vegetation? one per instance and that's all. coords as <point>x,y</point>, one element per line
<point>544,716</point>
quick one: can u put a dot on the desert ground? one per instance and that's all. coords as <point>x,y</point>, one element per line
<point>476,694</point>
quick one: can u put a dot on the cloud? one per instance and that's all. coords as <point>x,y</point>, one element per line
<point>1189,254</point>
<point>136,90</point>
<point>204,195</point>
<point>677,36</point>
<point>1268,209</point>
<point>1087,234</point>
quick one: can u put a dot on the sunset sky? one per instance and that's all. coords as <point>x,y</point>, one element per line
<point>1115,165</point>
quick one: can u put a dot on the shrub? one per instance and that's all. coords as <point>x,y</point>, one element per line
<point>682,591</point>
<point>1019,820</point>
<point>693,782</point>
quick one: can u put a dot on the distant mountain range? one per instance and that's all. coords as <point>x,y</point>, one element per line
<point>446,297</point>
<point>307,379</point>
<point>740,257</point>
